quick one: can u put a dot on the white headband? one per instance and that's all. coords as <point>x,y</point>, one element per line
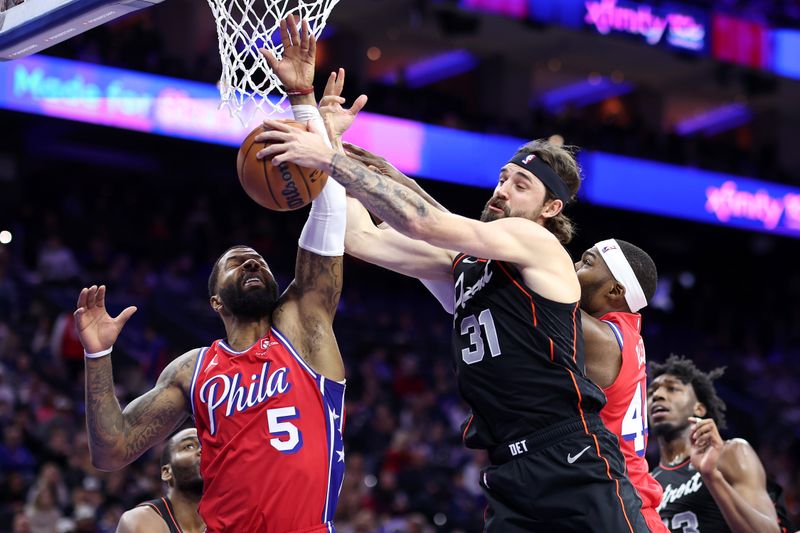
<point>623,273</point>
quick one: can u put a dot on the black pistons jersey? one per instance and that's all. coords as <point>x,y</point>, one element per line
<point>519,356</point>
<point>687,505</point>
<point>163,506</point>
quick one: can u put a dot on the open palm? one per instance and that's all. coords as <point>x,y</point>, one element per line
<point>337,118</point>
<point>296,68</point>
<point>97,330</point>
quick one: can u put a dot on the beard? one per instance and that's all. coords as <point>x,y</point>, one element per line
<point>487,215</point>
<point>251,303</point>
<point>668,431</point>
<point>187,479</point>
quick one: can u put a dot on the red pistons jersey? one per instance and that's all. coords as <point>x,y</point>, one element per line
<point>271,432</point>
<point>625,412</point>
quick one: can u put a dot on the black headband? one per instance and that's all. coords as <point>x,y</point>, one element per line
<point>547,175</point>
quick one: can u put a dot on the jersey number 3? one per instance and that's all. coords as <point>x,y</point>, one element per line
<point>634,425</point>
<point>471,325</point>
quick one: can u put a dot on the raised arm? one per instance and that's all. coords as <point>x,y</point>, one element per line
<point>735,477</point>
<point>117,437</point>
<point>545,265</point>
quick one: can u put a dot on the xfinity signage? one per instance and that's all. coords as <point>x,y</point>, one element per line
<point>670,25</point>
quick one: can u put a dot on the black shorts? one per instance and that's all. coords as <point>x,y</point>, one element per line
<point>555,480</point>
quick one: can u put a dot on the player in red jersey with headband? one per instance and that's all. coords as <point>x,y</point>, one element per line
<point>617,280</point>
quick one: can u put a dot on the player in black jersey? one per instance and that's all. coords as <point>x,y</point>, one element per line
<point>710,485</point>
<point>177,512</point>
<point>517,338</point>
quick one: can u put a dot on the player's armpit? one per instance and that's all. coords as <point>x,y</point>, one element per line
<point>306,310</point>
<point>602,351</point>
<point>118,437</point>
<point>392,250</point>
<point>141,520</point>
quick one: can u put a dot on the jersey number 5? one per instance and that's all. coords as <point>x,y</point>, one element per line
<point>634,425</point>
<point>471,325</point>
<point>280,428</point>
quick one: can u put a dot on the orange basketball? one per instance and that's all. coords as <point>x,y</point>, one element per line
<point>281,188</point>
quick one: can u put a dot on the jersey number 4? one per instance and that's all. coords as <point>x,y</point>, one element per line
<point>634,425</point>
<point>471,325</point>
<point>286,437</point>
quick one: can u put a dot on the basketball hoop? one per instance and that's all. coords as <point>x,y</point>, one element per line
<point>248,86</point>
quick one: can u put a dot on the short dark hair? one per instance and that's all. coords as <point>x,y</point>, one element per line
<point>702,382</point>
<point>212,279</point>
<point>166,452</point>
<point>563,162</point>
<point>643,267</point>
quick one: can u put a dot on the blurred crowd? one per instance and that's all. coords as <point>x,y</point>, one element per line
<point>406,468</point>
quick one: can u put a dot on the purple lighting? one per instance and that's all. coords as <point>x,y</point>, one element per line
<point>677,28</point>
<point>582,93</point>
<point>715,120</point>
<point>436,68</point>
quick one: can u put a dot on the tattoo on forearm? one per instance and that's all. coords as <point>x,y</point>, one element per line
<point>320,274</point>
<point>393,202</point>
<point>119,435</point>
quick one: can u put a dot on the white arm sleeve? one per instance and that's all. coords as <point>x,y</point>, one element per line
<point>323,233</point>
<point>444,292</point>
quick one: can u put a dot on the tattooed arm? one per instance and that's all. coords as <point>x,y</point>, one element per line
<point>544,263</point>
<point>117,437</point>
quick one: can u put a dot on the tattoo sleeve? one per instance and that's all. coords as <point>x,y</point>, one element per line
<point>395,203</point>
<point>118,437</point>
<point>319,277</point>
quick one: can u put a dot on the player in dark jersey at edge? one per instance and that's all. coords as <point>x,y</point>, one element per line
<point>710,485</point>
<point>617,279</point>
<point>268,399</point>
<point>177,511</point>
<point>517,334</point>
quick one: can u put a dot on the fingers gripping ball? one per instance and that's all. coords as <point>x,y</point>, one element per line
<point>280,188</point>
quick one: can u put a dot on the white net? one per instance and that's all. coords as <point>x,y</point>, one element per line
<point>248,86</point>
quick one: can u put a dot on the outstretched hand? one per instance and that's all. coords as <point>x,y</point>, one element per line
<point>706,445</point>
<point>289,144</point>
<point>337,118</point>
<point>97,330</point>
<point>296,68</point>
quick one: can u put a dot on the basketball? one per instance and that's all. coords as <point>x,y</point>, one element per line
<point>285,187</point>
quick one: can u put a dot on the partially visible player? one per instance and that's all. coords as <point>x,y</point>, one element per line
<point>177,511</point>
<point>618,279</point>
<point>268,398</point>
<point>710,484</point>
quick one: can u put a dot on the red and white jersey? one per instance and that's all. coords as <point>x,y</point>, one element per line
<point>625,412</point>
<point>271,432</point>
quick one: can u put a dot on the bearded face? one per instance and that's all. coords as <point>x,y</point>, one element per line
<point>252,296</point>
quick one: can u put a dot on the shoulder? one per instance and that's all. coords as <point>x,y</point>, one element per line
<point>738,460</point>
<point>179,372</point>
<point>141,519</point>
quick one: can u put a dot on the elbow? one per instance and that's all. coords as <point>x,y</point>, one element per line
<point>105,463</point>
<point>417,228</point>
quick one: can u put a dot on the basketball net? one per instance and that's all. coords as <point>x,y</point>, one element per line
<point>248,86</point>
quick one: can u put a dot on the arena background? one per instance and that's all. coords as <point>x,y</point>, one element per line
<point>147,214</point>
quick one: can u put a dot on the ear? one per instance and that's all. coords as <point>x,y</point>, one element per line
<point>617,294</point>
<point>552,208</point>
<point>166,473</point>
<point>700,409</point>
<point>216,303</point>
